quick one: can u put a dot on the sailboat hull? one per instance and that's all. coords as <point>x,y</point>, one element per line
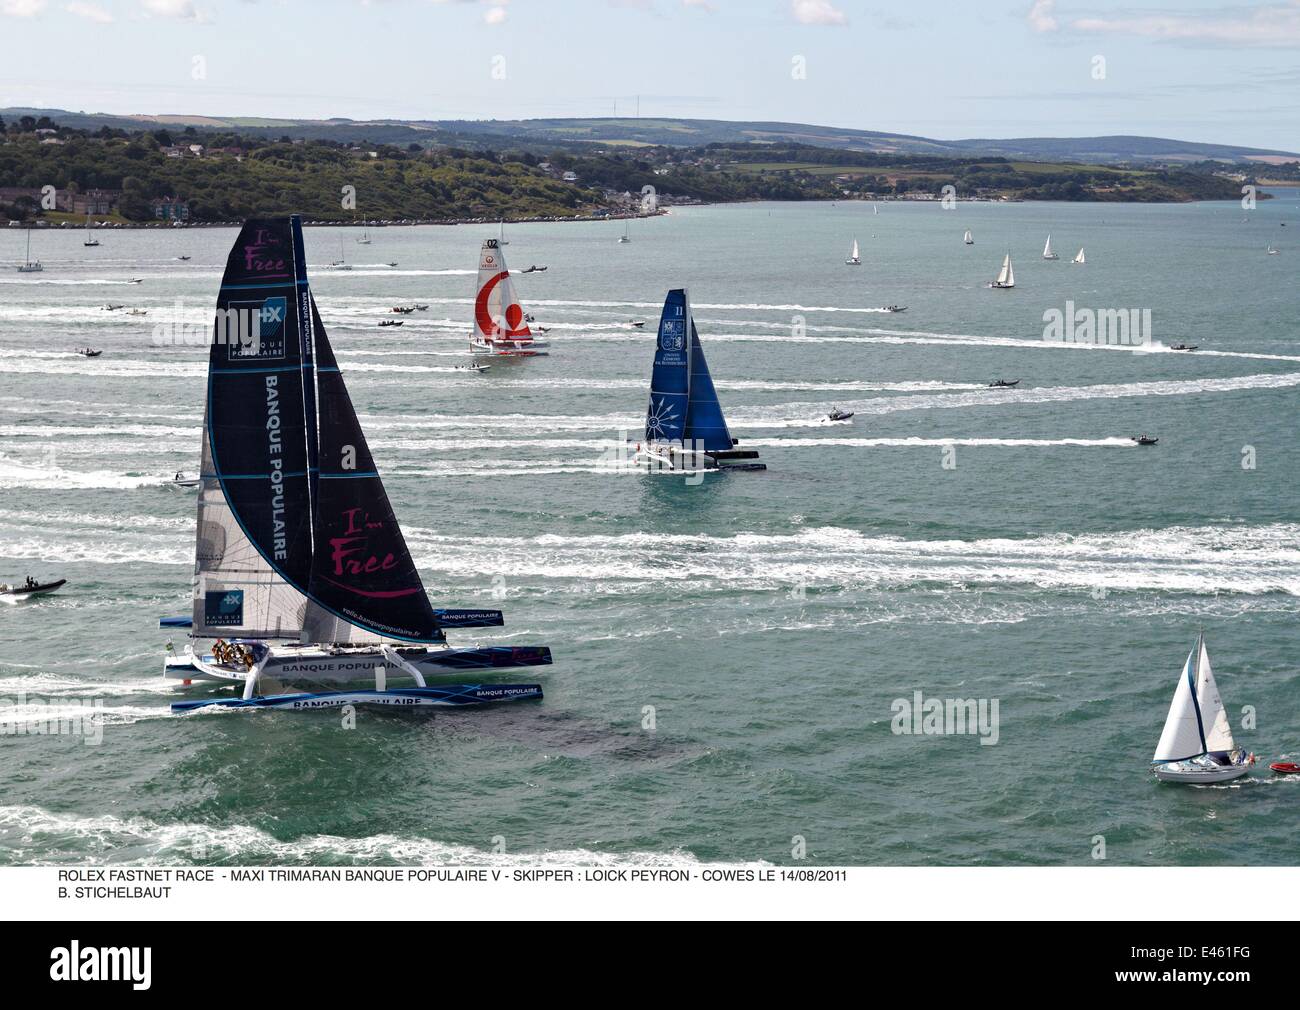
<point>447,696</point>
<point>503,351</point>
<point>316,665</point>
<point>1192,772</point>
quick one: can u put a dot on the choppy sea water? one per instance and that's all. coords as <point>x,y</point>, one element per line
<point>965,542</point>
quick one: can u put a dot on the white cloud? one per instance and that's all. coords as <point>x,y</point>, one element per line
<point>495,15</point>
<point>817,12</point>
<point>1272,25</point>
<point>181,10</point>
<point>1040,16</point>
<point>22,8</point>
<point>91,12</point>
<point>702,5</point>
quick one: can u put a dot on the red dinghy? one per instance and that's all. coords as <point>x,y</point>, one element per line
<point>1285,767</point>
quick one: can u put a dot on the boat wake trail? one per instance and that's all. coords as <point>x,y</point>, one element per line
<point>69,838</point>
<point>1249,560</point>
<point>14,474</point>
<point>870,443</point>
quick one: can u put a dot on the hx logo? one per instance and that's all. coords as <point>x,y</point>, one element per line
<point>260,328</point>
<point>224,609</point>
<point>75,963</point>
<point>672,334</point>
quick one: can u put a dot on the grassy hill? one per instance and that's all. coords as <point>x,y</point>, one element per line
<point>629,132</point>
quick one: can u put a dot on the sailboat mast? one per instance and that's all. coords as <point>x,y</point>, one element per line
<point>302,292</point>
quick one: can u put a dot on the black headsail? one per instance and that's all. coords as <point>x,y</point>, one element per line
<point>254,551</point>
<point>363,578</point>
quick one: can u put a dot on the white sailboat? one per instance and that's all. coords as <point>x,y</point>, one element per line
<point>1079,257</point>
<point>1006,276</point>
<point>31,266</point>
<point>342,262</point>
<point>501,235</point>
<point>875,209</point>
<point>968,238</point>
<point>501,330</point>
<point>365,235</point>
<point>1048,254</point>
<point>91,241</point>
<point>1271,251</point>
<point>303,581</point>
<point>1196,744</point>
<point>626,236</point>
<point>854,259</point>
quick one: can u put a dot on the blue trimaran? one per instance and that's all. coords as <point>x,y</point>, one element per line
<point>303,579</point>
<point>685,431</point>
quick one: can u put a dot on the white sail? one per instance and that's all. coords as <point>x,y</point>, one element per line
<point>1214,719</point>
<point>853,256</point>
<point>498,315</point>
<point>1181,738</point>
<point>1079,258</point>
<point>1047,249</point>
<point>968,238</point>
<point>1006,276</point>
<point>226,561</point>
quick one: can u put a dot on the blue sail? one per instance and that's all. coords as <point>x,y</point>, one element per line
<point>670,382</point>
<point>705,425</point>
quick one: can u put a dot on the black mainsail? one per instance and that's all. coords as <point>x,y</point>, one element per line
<point>363,574</point>
<point>296,536</point>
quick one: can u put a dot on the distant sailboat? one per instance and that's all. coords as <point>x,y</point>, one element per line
<point>626,236</point>
<point>685,431</point>
<point>31,266</point>
<point>342,262</point>
<point>1047,250</point>
<point>500,326</point>
<point>969,239</point>
<point>365,236</point>
<point>1079,258</point>
<point>1196,744</point>
<point>501,235</point>
<point>1271,251</point>
<point>875,209</point>
<point>91,241</point>
<point>1006,276</point>
<point>854,259</point>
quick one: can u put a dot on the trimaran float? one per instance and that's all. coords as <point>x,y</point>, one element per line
<point>685,431</point>
<point>302,575</point>
<point>501,330</point>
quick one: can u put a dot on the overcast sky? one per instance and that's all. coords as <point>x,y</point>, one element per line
<point>1216,70</point>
